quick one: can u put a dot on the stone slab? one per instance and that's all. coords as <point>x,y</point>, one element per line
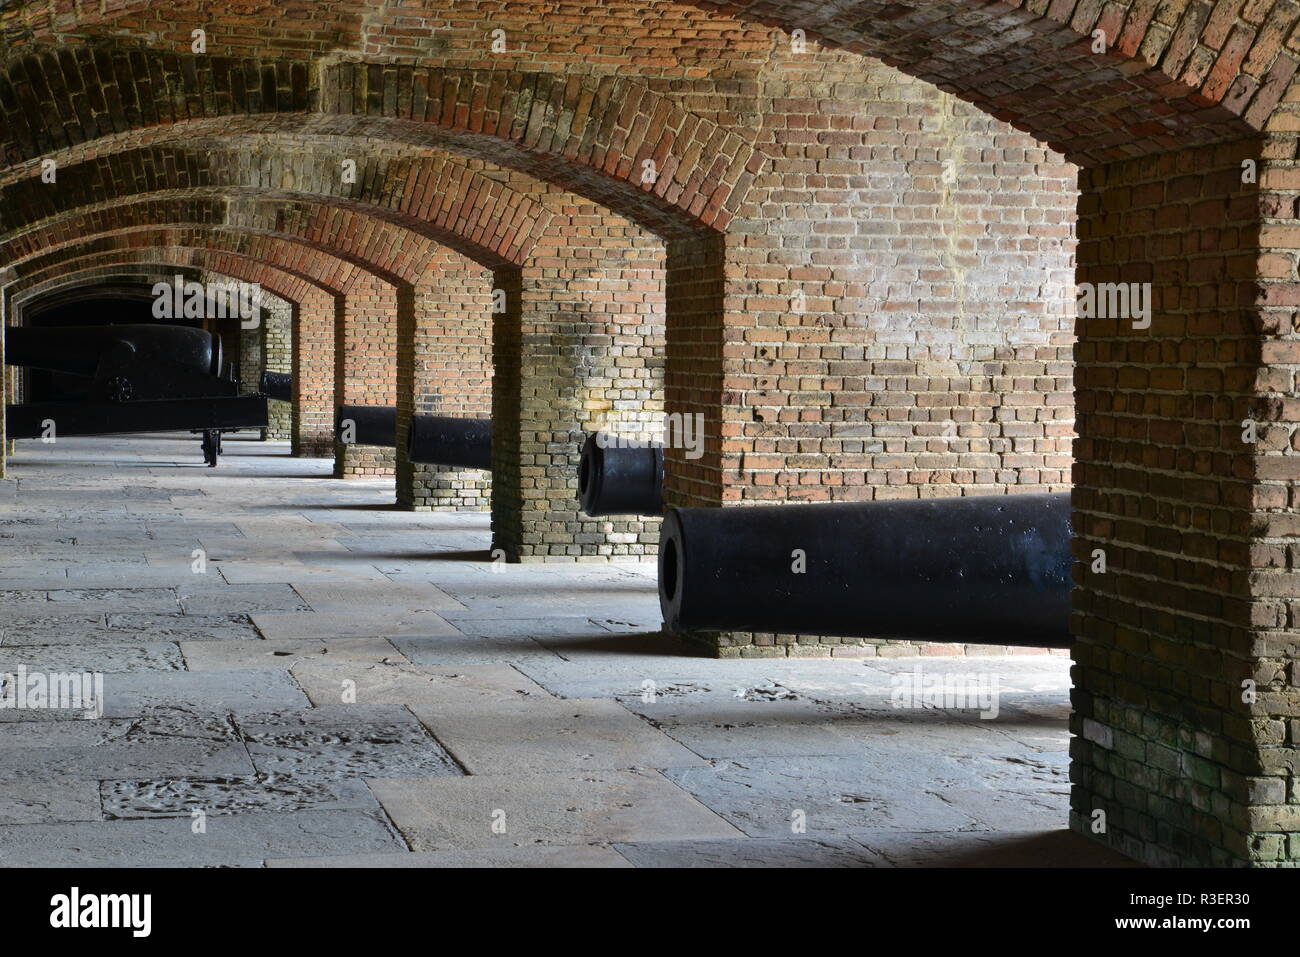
<point>48,629</point>
<point>293,572</point>
<point>107,761</point>
<point>185,627</point>
<point>535,734</point>
<point>106,657</point>
<point>441,687</point>
<point>170,841</point>
<point>348,598</point>
<point>220,599</point>
<point>578,855</point>
<point>344,740</point>
<point>827,796</point>
<point>108,600</point>
<point>717,720</point>
<point>256,691</point>
<point>240,655</point>
<point>45,799</point>
<point>390,624</point>
<point>559,809</point>
<point>180,797</point>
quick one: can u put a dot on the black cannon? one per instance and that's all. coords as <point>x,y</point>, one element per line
<point>367,425</point>
<point>124,363</point>
<point>441,440</point>
<point>984,570</point>
<point>276,385</point>
<point>431,440</point>
<point>138,378</point>
<point>619,478</point>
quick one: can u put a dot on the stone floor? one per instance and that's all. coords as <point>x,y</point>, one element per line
<point>297,674</point>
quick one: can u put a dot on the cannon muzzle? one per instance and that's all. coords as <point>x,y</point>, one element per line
<point>983,570</point>
<point>616,478</point>
<point>441,440</point>
<point>276,385</point>
<point>367,425</point>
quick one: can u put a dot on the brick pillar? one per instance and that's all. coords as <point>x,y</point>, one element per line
<point>314,319</point>
<point>695,371</point>
<point>581,326</point>
<point>276,335</point>
<point>444,367</point>
<point>365,367</point>
<point>1185,697</point>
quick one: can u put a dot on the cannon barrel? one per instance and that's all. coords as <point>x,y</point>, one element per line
<point>371,424</point>
<point>616,480</point>
<point>984,570</point>
<point>441,440</point>
<point>80,350</point>
<point>276,385</point>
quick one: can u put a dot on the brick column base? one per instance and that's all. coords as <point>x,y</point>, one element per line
<point>363,461</point>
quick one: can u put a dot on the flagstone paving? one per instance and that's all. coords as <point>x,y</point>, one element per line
<point>296,673</point>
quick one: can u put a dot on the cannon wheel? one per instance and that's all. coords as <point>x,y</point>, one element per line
<point>211,447</point>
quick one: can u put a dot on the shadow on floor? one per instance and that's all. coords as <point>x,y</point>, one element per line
<point>1061,848</point>
<point>460,555</point>
<point>625,643</point>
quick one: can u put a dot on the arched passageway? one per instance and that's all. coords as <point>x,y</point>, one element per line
<point>767,214</point>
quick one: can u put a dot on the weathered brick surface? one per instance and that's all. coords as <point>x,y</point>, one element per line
<point>444,367</point>
<point>581,338</point>
<point>365,365</point>
<point>1168,491</point>
<point>276,341</point>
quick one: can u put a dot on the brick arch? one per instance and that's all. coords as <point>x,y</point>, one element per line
<point>478,216</point>
<point>591,136</point>
<point>84,281</point>
<point>587,135</point>
<point>32,288</point>
<point>285,285</point>
<point>311,239</point>
<point>1171,77</point>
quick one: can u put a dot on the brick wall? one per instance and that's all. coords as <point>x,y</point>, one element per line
<point>249,369</point>
<point>277,356</point>
<point>314,331</point>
